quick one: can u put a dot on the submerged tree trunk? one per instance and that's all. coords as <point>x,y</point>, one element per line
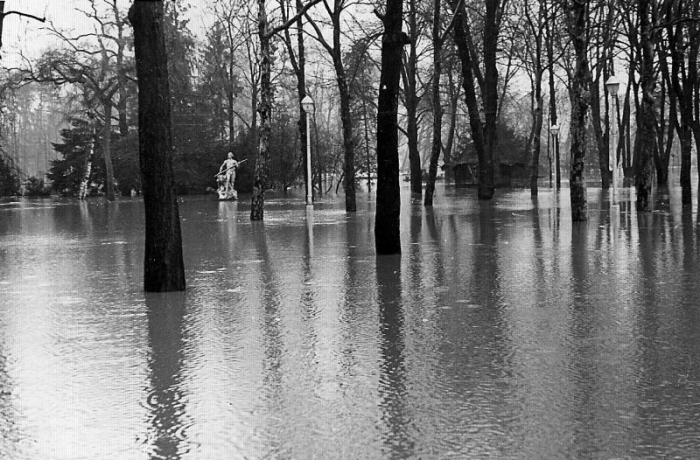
<point>386,226</point>
<point>489,95</point>
<point>412,100</point>
<point>107,148</point>
<point>163,263</point>
<point>257,204</point>
<point>437,107</point>
<point>552,100</point>
<point>577,13</point>
<point>645,121</point>
<point>87,164</point>
<point>478,129</point>
<point>348,141</point>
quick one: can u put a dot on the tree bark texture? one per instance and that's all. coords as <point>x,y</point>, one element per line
<point>577,17</point>
<point>257,204</point>
<point>552,98</point>
<point>107,148</point>
<point>645,122</point>
<point>683,86</point>
<point>87,164</point>
<point>163,263</point>
<point>386,227</point>
<point>437,107</point>
<point>412,100</point>
<point>348,141</point>
<point>486,172</point>
<point>490,97</point>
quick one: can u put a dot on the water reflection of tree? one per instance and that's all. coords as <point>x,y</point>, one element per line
<point>273,348</point>
<point>9,437</point>
<point>165,399</point>
<point>393,387</point>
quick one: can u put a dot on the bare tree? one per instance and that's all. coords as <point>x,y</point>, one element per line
<point>265,35</point>
<point>386,227</point>
<point>576,12</point>
<point>163,263</point>
<point>484,132</point>
<point>645,119</point>
<point>334,50</point>
<point>438,37</point>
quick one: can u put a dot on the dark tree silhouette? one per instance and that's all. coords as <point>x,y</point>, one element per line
<point>577,14</point>
<point>386,226</point>
<point>163,264</point>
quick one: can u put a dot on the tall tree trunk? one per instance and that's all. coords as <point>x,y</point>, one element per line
<point>682,87</point>
<point>89,153</point>
<point>537,133</point>
<point>230,101</point>
<point>107,148</point>
<point>163,263</point>
<point>437,107</point>
<point>411,92</point>
<point>449,143</point>
<point>489,93</point>
<point>386,226</point>
<point>552,96</point>
<point>461,29</point>
<point>645,124</point>
<point>300,70</point>
<point>601,130</point>
<point>577,13</point>
<point>348,141</point>
<point>298,60</point>
<point>257,204</point>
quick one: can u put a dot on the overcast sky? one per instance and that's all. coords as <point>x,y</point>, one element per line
<point>20,33</point>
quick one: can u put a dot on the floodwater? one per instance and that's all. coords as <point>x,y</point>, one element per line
<point>502,331</point>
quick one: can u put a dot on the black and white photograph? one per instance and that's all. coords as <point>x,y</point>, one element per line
<point>349,229</point>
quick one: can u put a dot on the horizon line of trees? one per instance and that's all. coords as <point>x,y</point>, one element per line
<point>467,69</point>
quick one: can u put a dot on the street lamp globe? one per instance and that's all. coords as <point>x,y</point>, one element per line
<point>555,129</point>
<point>612,85</point>
<point>307,104</point>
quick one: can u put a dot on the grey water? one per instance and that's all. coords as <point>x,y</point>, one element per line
<point>501,331</point>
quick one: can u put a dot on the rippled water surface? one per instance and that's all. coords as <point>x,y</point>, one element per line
<point>502,331</point>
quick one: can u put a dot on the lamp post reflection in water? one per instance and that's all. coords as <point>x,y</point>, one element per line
<point>308,105</point>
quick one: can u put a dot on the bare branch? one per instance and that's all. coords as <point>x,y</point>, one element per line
<point>293,19</point>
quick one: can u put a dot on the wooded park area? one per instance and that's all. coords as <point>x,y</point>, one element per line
<point>400,87</point>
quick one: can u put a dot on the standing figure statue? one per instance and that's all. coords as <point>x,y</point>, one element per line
<point>226,178</point>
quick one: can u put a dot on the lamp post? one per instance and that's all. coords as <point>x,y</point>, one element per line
<point>308,105</point>
<point>555,132</point>
<point>612,85</point>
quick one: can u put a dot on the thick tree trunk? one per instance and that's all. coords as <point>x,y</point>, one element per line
<point>645,124</point>
<point>577,14</point>
<point>536,142</point>
<point>412,100</point>
<point>437,107</point>
<point>490,97</point>
<point>448,149</point>
<point>163,263</point>
<point>486,176</point>
<point>602,135</point>
<point>300,70</point>
<point>107,149</point>
<point>257,204</point>
<point>386,227</point>
<point>552,98</point>
<point>348,142</point>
